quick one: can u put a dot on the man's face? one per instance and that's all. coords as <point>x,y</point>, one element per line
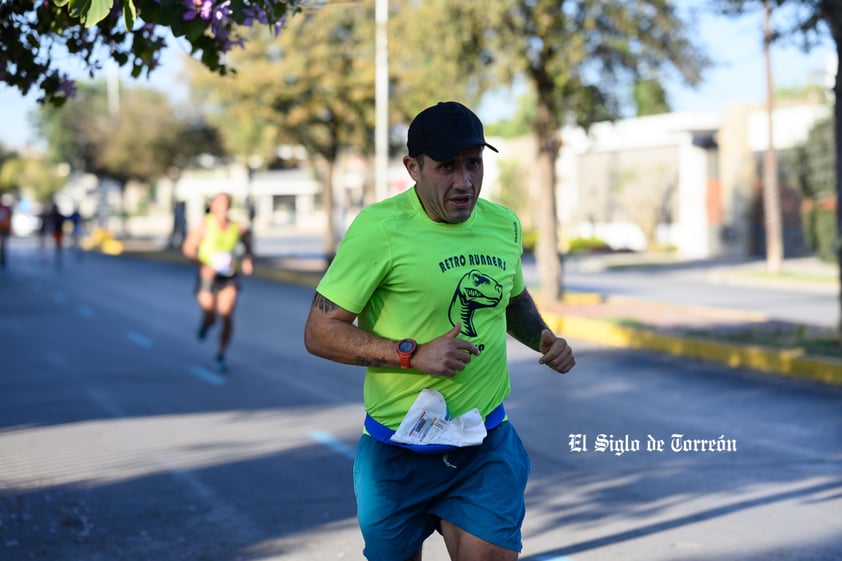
<point>219,205</point>
<point>448,190</point>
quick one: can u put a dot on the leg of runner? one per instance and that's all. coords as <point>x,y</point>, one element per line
<point>225,303</point>
<point>207,301</point>
<point>463,546</point>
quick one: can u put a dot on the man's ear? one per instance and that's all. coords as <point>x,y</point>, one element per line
<point>411,165</point>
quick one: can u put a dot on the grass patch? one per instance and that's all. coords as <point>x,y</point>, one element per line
<point>626,322</point>
<point>814,341</point>
<point>784,336</point>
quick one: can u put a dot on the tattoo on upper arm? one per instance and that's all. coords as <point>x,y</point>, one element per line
<point>324,304</point>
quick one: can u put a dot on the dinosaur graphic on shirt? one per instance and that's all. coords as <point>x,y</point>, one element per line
<point>475,290</point>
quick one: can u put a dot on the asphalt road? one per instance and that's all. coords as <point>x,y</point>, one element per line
<point>118,440</point>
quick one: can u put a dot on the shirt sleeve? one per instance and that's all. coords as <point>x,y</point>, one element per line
<point>361,263</point>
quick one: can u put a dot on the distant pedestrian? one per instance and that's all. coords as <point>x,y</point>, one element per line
<point>56,222</point>
<point>76,231</point>
<point>179,227</point>
<point>5,227</point>
<point>214,245</point>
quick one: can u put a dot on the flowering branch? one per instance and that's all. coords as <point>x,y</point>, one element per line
<point>129,31</point>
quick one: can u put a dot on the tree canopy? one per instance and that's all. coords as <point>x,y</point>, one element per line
<point>37,39</point>
<point>140,138</point>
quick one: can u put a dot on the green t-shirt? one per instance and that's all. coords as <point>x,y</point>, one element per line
<point>405,275</point>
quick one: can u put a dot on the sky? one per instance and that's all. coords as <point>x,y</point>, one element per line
<point>734,45</point>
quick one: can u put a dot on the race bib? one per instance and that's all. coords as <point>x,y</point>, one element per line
<point>222,263</point>
<point>428,422</point>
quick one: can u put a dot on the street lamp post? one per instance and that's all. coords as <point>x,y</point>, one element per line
<point>381,102</point>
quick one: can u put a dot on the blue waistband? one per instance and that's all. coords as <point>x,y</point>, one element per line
<point>384,434</point>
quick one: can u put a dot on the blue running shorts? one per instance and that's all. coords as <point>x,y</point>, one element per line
<point>402,495</point>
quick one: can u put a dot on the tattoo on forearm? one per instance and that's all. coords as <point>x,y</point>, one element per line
<point>524,322</point>
<point>376,362</point>
<point>323,304</point>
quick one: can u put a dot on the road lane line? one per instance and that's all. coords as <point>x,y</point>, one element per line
<point>139,340</point>
<point>330,441</point>
<point>208,376</point>
<point>86,311</point>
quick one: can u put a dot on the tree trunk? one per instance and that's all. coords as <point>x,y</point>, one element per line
<point>837,127</point>
<point>330,211</point>
<point>546,252</point>
<point>832,14</point>
<point>124,215</point>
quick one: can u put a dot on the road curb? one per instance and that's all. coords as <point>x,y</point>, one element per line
<point>788,363</point>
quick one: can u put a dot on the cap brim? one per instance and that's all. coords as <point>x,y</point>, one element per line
<point>449,151</point>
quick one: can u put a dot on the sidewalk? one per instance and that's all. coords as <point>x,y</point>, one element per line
<point>689,331</point>
<point>736,338</point>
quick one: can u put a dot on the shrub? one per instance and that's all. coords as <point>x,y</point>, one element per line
<point>581,245</point>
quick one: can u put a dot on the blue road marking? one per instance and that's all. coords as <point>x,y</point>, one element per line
<point>86,311</point>
<point>139,340</point>
<point>327,439</point>
<point>206,375</point>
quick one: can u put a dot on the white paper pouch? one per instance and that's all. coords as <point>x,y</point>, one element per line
<point>428,422</point>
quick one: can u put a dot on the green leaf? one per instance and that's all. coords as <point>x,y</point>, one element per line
<point>129,13</point>
<point>90,12</point>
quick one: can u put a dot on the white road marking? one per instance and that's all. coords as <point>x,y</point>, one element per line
<point>139,340</point>
<point>327,439</point>
<point>208,376</point>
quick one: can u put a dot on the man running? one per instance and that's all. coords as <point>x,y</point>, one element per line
<point>423,291</point>
<point>214,244</point>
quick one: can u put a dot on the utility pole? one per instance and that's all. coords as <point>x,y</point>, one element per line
<point>771,192</point>
<point>381,102</point>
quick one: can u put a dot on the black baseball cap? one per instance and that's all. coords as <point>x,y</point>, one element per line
<point>444,130</point>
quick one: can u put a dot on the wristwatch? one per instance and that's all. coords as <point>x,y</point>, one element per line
<point>406,348</point>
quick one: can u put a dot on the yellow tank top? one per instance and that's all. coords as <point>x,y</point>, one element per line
<point>217,247</point>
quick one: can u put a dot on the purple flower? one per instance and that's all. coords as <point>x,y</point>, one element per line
<point>254,12</point>
<point>68,87</point>
<point>201,8</point>
<point>276,29</point>
<point>221,20</point>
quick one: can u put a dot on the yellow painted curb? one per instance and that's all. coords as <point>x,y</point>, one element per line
<point>789,363</point>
